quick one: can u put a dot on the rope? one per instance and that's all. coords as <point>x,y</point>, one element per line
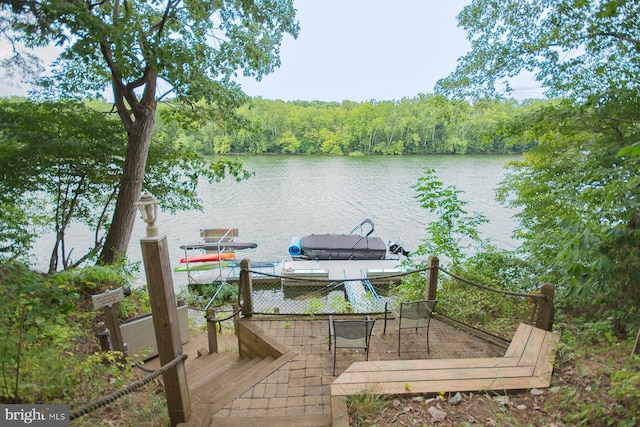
<point>329,281</point>
<point>142,368</point>
<point>500,291</point>
<point>96,404</point>
<point>214,319</point>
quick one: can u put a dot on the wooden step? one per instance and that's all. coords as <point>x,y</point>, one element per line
<point>215,370</point>
<point>208,391</point>
<point>320,420</point>
<point>213,393</point>
<point>210,366</point>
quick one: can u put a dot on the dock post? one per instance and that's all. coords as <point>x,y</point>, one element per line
<point>157,267</point>
<point>236,309</point>
<point>546,310</point>
<point>432,278</point>
<point>212,335</point>
<point>246,288</point>
<point>103,336</point>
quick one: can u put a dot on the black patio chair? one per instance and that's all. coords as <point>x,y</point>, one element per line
<point>350,333</point>
<point>415,314</point>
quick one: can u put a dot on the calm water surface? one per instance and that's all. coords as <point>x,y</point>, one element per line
<point>298,195</point>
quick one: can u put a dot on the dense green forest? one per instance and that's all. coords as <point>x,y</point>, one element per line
<point>423,124</point>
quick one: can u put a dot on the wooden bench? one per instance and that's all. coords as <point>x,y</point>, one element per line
<point>527,363</point>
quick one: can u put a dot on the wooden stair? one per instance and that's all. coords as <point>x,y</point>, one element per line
<point>320,420</point>
<point>527,363</point>
<point>216,380</point>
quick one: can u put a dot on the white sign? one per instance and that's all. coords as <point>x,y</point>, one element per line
<point>108,298</point>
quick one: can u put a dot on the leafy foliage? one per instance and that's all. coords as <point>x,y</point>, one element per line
<point>575,48</point>
<point>454,230</point>
<point>47,352</point>
<point>192,49</point>
<point>64,162</point>
<point>577,205</point>
<point>65,156</point>
<point>16,234</point>
<point>32,312</point>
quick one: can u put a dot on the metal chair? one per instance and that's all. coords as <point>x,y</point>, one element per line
<point>350,333</point>
<point>415,314</point>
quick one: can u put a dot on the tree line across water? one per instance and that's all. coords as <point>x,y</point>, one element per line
<point>419,125</point>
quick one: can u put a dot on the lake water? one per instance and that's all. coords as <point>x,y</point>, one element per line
<point>299,195</point>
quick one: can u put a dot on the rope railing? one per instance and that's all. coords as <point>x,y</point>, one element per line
<point>488,288</point>
<point>330,281</point>
<point>110,398</point>
<point>217,320</point>
<point>304,293</point>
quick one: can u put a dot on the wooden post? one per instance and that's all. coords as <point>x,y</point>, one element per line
<point>113,324</point>
<point>211,331</point>
<point>235,319</point>
<point>246,288</point>
<point>432,278</point>
<point>103,336</point>
<point>546,309</point>
<point>155,256</point>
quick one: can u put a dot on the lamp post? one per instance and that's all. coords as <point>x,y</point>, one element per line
<point>155,257</point>
<point>148,207</point>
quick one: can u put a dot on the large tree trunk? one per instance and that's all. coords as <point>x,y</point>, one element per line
<point>138,118</point>
<point>139,138</point>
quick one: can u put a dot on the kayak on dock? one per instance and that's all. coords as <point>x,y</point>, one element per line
<point>203,266</point>
<point>208,257</point>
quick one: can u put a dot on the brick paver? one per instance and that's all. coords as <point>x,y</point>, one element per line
<point>301,386</point>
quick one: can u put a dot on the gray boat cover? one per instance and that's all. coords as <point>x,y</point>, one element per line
<point>342,246</point>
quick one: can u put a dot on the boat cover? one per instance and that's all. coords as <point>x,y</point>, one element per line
<point>342,246</point>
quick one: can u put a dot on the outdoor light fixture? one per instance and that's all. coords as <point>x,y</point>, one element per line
<point>148,206</point>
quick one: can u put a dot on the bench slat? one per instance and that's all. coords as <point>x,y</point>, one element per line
<point>544,367</point>
<point>434,375</point>
<point>417,364</point>
<point>531,352</point>
<point>519,341</point>
<point>438,386</point>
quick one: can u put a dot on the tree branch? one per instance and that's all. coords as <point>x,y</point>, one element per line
<point>119,89</point>
<point>159,27</point>
<point>620,37</point>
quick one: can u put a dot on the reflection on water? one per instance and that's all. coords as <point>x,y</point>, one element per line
<point>298,195</point>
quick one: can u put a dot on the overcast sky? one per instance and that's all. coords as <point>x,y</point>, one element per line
<point>366,49</point>
<point>362,50</point>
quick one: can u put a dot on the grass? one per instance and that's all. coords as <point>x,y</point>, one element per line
<point>365,406</point>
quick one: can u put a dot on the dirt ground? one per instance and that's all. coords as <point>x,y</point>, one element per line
<point>474,409</point>
<point>573,388</point>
